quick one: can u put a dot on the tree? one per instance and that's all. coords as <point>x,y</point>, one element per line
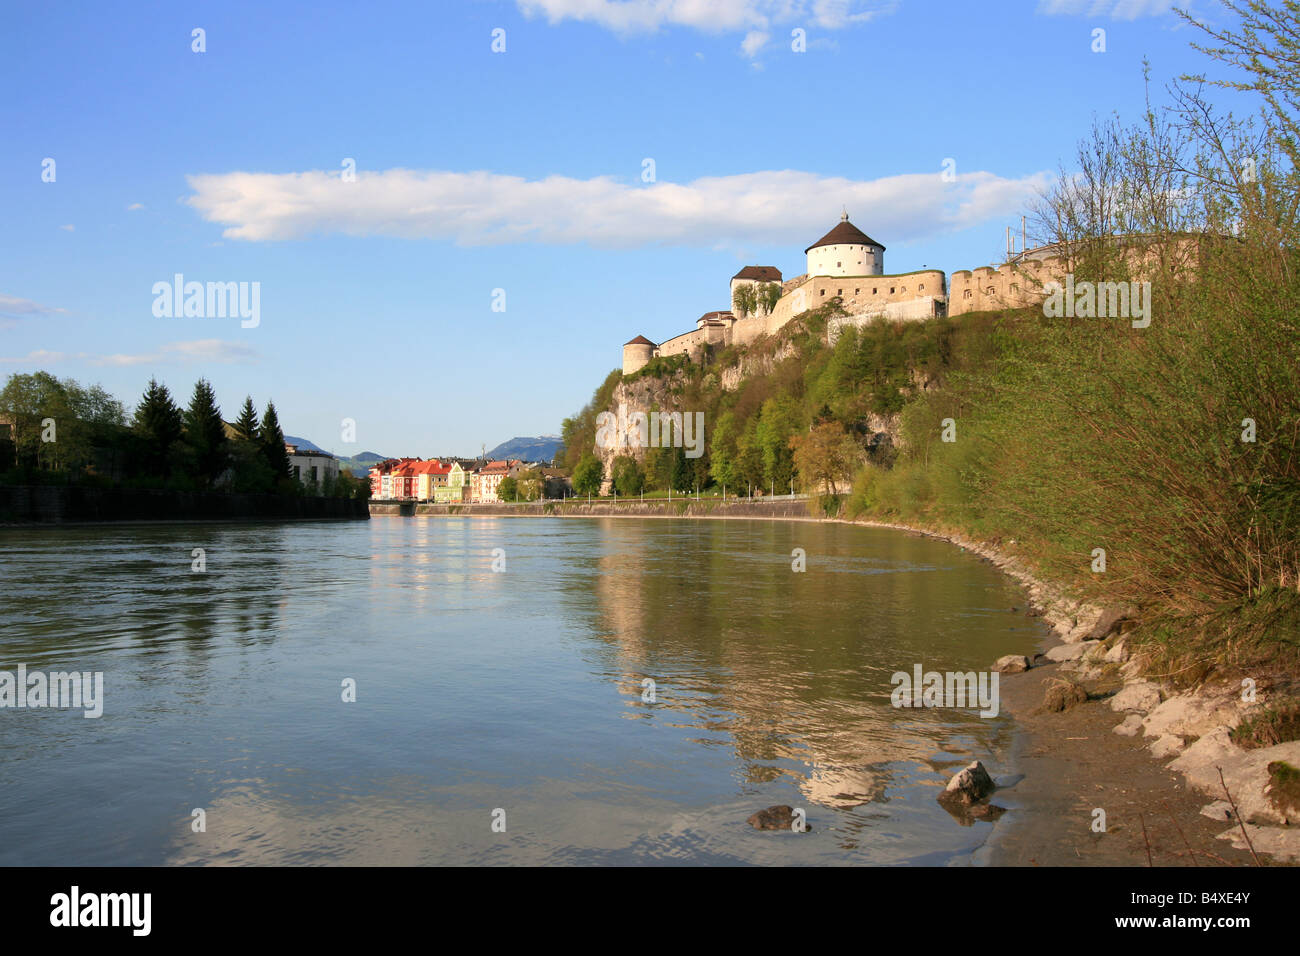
<point>508,490</point>
<point>766,296</point>
<point>271,442</point>
<point>683,476</point>
<point>722,451</point>
<point>588,475</point>
<point>531,484</point>
<point>749,457</point>
<point>26,401</point>
<point>744,300</point>
<point>205,434</point>
<point>246,424</point>
<point>777,421</point>
<point>158,425</point>
<point>629,479</point>
<point>827,455</point>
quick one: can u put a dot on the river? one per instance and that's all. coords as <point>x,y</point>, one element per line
<point>549,690</point>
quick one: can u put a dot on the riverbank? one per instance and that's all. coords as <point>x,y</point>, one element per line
<point>28,505</point>
<point>1094,783</point>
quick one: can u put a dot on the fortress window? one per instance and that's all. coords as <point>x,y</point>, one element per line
<point>874,291</point>
<point>921,287</point>
<point>822,292</point>
<point>856,291</point>
<point>1015,287</point>
<point>989,290</point>
<point>891,290</point>
<point>839,291</point>
<point>966,294</point>
<point>838,265</point>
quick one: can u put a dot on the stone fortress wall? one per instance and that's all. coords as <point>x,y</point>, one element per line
<point>1013,285</point>
<point>848,265</point>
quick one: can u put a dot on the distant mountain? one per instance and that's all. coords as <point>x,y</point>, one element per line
<point>542,448</point>
<point>360,464</point>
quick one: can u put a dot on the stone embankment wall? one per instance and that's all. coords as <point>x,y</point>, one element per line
<point>597,508</point>
<point>57,504</point>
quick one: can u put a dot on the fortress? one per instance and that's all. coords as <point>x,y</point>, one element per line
<point>849,265</point>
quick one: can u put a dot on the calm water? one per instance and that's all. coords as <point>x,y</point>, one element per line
<point>479,690</point>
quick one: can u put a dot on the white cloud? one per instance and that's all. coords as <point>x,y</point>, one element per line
<point>200,350</point>
<point>1114,9</point>
<point>68,228</point>
<point>134,206</point>
<point>14,307</point>
<point>44,356</point>
<point>754,41</point>
<point>712,16</point>
<point>481,208</point>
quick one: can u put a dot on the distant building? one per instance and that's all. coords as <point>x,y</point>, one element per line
<point>485,482</point>
<point>312,468</point>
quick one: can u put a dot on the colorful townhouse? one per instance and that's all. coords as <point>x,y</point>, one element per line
<point>455,488</point>
<point>484,482</point>
<point>415,479</point>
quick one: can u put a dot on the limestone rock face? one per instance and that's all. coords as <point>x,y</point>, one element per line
<point>1063,696</point>
<point>1281,844</point>
<point>1109,622</point>
<point>1066,652</point>
<point>1117,654</point>
<point>1166,745</point>
<point>1012,664</point>
<point>1142,697</point>
<point>1220,810</point>
<point>1244,771</point>
<point>1196,714</point>
<point>1211,749</point>
<point>1130,727</point>
<point>968,786</point>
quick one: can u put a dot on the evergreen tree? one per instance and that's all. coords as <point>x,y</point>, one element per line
<point>205,434</point>
<point>271,440</point>
<point>246,424</point>
<point>159,425</point>
<point>683,476</point>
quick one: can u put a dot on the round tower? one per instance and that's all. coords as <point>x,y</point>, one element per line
<point>637,354</point>
<point>846,251</point>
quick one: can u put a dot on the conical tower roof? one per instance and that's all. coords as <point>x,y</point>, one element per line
<point>845,233</point>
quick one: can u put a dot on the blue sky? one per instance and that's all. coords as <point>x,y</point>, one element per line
<point>519,170</point>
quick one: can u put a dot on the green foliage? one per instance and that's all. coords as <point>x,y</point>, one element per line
<point>628,476</point>
<point>531,485</point>
<point>744,301</point>
<point>270,441</point>
<point>579,432</point>
<point>84,418</point>
<point>158,425</point>
<point>508,489</point>
<point>205,435</point>
<point>661,366</point>
<point>246,425</point>
<point>588,475</point>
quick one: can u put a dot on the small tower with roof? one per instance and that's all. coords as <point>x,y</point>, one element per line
<point>846,251</point>
<point>637,354</point>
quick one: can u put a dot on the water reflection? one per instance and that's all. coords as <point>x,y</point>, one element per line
<point>480,689</point>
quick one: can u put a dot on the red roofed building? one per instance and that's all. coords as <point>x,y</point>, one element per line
<point>485,482</point>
